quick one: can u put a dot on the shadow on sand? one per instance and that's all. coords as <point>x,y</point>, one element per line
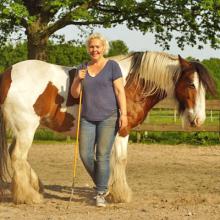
<point>77,194</point>
<point>59,192</point>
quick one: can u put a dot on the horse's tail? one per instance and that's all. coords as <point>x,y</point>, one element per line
<point>3,143</point>
<point>3,148</point>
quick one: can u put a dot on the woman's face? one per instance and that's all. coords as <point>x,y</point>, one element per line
<point>96,49</point>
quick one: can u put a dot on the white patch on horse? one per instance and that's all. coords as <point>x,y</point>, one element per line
<point>124,63</point>
<point>200,114</point>
<point>196,115</point>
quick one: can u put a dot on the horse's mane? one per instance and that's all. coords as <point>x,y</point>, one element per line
<point>156,71</point>
<point>205,77</point>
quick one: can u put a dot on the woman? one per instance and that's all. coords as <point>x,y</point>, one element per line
<point>103,112</point>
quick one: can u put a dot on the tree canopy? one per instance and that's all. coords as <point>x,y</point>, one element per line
<point>66,54</point>
<point>195,22</point>
<point>117,47</point>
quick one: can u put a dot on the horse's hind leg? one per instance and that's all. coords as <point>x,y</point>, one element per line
<point>25,182</point>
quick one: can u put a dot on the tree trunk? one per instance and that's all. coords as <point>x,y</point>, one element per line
<point>37,41</point>
<point>37,47</point>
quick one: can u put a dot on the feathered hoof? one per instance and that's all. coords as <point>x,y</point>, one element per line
<point>124,196</point>
<point>35,198</point>
<point>25,195</point>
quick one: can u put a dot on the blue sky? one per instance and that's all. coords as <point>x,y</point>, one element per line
<point>136,41</point>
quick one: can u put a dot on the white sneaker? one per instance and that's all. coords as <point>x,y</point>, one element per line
<point>100,200</point>
<point>104,194</point>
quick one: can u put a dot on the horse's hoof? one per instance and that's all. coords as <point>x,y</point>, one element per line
<point>33,199</point>
<point>36,200</point>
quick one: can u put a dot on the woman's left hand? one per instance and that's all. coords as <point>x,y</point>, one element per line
<point>123,122</point>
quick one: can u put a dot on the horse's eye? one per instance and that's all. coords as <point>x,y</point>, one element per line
<point>192,86</point>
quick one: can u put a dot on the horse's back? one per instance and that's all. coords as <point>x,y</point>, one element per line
<point>30,78</point>
<point>37,90</point>
<point>38,72</point>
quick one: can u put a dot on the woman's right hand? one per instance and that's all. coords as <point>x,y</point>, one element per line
<point>82,74</point>
<point>76,85</point>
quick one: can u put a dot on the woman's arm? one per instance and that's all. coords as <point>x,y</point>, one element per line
<point>121,98</point>
<point>76,85</point>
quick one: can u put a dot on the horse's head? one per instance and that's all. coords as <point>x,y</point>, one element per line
<point>190,90</point>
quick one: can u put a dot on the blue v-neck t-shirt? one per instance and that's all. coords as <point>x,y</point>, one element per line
<point>99,100</point>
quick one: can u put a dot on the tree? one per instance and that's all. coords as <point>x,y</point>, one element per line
<point>11,54</point>
<point>70,54</point>
<point>117,47</point>
<point>213,65</point>
<point>195,21</point>
<point>67,54</point>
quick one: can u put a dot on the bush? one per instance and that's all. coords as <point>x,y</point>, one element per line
<point>44,134</point>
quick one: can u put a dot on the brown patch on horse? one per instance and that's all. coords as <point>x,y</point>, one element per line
<point>70,100</point>
<point>185,94</point>
<point>5,83</point>
<point>48,106</point>
<point>137,105</point>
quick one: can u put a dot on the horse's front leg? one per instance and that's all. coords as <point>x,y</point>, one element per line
<point>118,186</point>
<point>25,182</point>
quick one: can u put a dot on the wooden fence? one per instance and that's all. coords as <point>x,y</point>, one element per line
<point>211,106</point>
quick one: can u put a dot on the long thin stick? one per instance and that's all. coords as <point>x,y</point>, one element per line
<point>76,149</point>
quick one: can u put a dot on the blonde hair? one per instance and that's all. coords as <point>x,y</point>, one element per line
<point>101,38</point>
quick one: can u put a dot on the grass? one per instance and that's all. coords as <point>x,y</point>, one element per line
<point>175,138</point>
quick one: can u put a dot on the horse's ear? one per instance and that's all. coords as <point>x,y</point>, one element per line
<point>183,63</point>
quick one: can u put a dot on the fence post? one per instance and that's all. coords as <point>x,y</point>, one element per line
<point>68,139</point>
<point>138,136</point>
<point>211,116</point>
<point>175,115</point>
<point>219,125</point>
<point>148,117</point>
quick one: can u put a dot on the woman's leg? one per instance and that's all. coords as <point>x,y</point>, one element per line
<point>86,146</point>
<point>106,131</point>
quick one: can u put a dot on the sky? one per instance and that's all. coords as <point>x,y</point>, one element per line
<point>136,41</point>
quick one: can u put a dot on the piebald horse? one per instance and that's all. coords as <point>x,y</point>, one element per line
<point>35,93</point>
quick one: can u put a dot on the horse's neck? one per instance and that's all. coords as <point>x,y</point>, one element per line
<point>138,106</point>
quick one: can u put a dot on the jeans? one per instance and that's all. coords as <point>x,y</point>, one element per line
<point>96,140</point>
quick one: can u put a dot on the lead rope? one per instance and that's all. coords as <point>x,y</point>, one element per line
<point>76,148</point>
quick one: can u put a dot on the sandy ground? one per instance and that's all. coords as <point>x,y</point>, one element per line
<point>168,182</point>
